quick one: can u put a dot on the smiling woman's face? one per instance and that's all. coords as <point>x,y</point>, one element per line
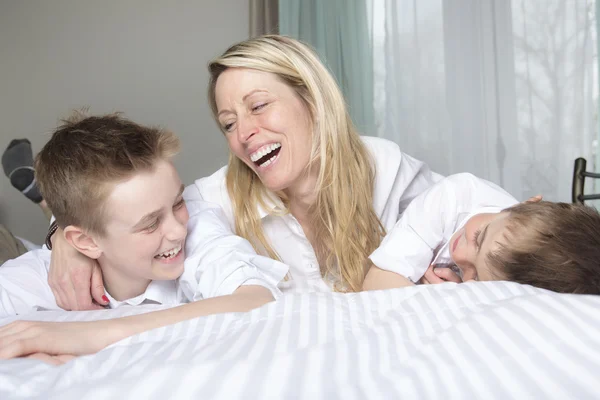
<point>267,126</point>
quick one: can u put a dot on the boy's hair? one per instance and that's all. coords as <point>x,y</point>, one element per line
<point>554,246</point>
<point>87,155</point>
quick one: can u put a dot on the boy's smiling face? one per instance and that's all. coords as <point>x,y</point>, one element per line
<point>145,230</point>
<point>469,247</point>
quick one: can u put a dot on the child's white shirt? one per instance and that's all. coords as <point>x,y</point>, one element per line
<point>24,287</point>
<point>421,235</point>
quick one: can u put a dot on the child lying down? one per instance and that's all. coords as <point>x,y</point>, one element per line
<point>477,229</point>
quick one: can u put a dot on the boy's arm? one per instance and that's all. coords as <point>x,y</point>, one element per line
<point>378,279</point>
<point>408,248</point>
<point>22,338</point>
<point>430,219</point>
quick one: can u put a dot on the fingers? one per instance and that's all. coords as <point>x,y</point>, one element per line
<point>469,275</point>
<point>56,287</point>
<point>446,275</point>
<point>98,286</point>
<point>534,199</point>
<point>52,360</point>
<point>47,358</point>
<point>70,276</point>
<point>58,296</point>
<point>431,277</point>
<point>17,339</point>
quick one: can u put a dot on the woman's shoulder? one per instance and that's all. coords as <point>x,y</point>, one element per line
<point>385,154</point>
<point>211,186</point>
<point>377,145</point>
<point>213,189</point>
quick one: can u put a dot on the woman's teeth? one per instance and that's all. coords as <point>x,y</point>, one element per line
<point>263,151</point>
<point>169,254</point>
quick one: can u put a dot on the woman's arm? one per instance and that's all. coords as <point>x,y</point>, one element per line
<point>23,338</point>
<point>75,279</point>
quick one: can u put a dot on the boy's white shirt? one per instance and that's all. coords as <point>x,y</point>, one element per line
<point>24,287</point>
<point>421,235</point>
<point>217,263</point>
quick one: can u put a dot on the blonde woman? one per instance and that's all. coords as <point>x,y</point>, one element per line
<point>301,185</point>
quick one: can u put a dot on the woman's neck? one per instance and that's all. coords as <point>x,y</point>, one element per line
<point>301,196</point>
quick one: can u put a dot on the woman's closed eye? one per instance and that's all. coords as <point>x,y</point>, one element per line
<point>259,106</point>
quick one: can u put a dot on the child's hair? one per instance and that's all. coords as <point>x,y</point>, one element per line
<point>554,246</point>
<point>87,155</point>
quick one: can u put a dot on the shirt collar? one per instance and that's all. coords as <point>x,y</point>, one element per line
<point>272,202</point>
<point>157,292</point>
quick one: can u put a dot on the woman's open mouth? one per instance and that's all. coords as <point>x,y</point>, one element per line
<point>266,155</point>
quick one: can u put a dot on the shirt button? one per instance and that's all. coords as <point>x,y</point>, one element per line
<point>312,266</point>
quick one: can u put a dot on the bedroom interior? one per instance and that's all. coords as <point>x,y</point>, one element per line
<point>505,90</point>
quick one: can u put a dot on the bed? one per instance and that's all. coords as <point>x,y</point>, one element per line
<point>492,340</point>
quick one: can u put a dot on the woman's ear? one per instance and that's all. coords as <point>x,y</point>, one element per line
<point>82,242</point>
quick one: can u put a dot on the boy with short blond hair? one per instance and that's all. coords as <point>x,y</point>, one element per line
<point>118,199</point>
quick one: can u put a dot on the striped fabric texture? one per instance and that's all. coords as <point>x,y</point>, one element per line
<point>479,340</point>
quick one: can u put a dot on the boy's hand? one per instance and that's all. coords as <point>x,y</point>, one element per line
<point>439,275</point>
<point>52,360</point>
<point>74,278</point>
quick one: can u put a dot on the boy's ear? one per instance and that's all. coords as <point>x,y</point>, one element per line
<point>82,242</point>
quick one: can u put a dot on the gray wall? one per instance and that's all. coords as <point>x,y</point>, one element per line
<point>146,58</point>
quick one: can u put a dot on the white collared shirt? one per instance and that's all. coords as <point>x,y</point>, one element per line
<point>399,178</point>
<point>429,222</point>
<point>24,287</point>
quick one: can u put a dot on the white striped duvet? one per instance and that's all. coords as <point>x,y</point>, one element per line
<point>475,340</point>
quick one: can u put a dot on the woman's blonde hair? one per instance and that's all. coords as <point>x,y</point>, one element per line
<point>344,221</point>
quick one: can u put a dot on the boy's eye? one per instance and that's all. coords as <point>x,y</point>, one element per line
<point>179,204</point>
<point>476,237</point>
<point>152,227</point>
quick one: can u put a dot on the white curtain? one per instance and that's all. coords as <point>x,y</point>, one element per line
<point>506,90</point>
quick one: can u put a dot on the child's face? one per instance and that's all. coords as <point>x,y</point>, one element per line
<point>146,228</point>
<point>469,246</point>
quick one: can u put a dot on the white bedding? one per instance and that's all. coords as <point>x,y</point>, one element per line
<point>475,340</point>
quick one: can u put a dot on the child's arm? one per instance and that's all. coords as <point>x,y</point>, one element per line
<point>429,221</point>
<point>408,248</point>
<point>22,338</point>
<point>378,279</point>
